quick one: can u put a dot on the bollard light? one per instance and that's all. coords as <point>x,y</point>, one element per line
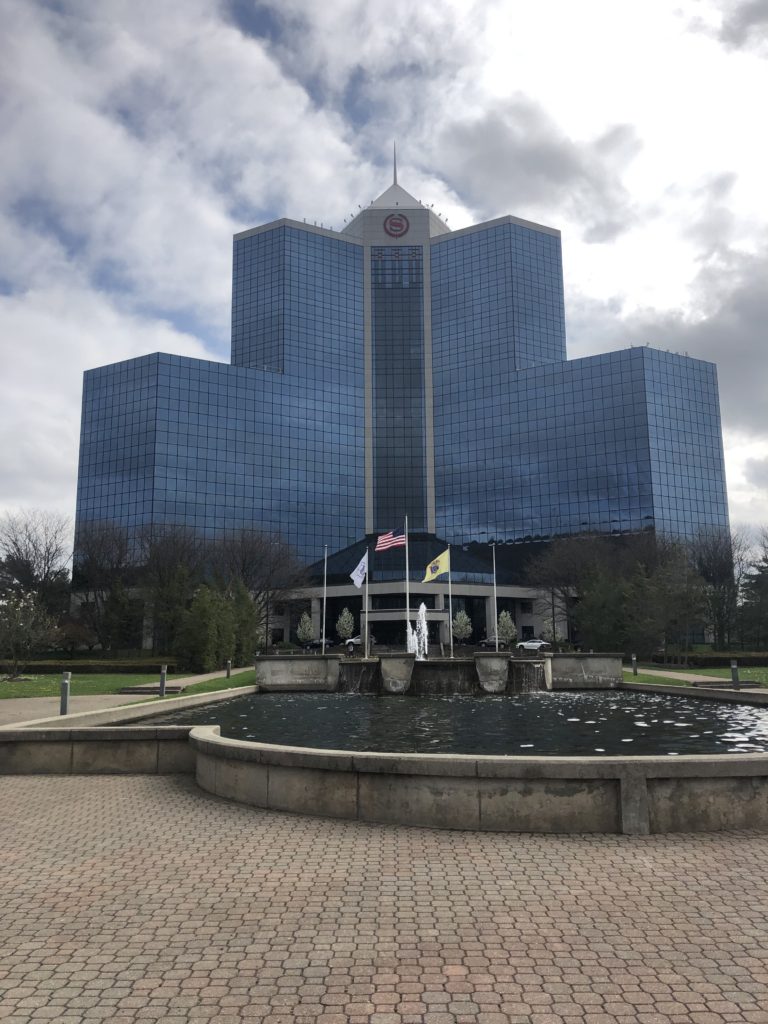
<point>735,673</point>
<point>634,664</point>
<point>229,668</point>
<point>163,675</point>
<point>66,678</point>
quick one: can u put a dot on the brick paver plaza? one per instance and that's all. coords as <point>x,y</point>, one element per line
<point>140,898</point>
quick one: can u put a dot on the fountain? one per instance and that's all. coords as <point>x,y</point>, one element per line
<point>511,762</point>
<point>397,669</point>
<point>418,639</point>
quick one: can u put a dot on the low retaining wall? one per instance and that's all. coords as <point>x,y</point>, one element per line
<point>127,750</point>
<point>298,672</point>
<point>633,795</point>
<point>575,671</point>
<point>108,742</point>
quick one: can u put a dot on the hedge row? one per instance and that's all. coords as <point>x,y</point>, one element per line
<point>699,660</point>
<point>77,667</point>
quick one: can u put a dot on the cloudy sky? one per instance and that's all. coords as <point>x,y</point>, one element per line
<point>139,135</point>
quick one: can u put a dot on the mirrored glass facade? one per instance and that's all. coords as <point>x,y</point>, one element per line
<point>218,448</point>
<point>497,298</point>
<point>614,443</point>
<point>397,338</point>
<point>398,368</point>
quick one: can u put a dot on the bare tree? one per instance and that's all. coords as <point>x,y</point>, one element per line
<point>753,613</point>
<point>720,559</point>
<point>172,561</point>
<point>100,574</point>
<point>565,569</point>
<point>264,564</point>
<point>637,592</point>
<point>35,550</point>
<point>25,628</point>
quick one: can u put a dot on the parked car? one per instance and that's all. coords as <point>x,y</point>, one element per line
<point>532,645</point>
<point>490,641</point>
<point>357,641</point>
<point>317,645</point>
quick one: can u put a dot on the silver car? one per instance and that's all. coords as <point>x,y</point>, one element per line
<point>533,645</point>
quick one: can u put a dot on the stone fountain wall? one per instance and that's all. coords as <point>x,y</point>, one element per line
<point>442,676</point>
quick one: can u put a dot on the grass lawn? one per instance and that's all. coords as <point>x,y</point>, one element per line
<point>98,683</point>
<point>247,678</point>
<point>81,686</point>
<point>671,675</point>
<point>669,680</point>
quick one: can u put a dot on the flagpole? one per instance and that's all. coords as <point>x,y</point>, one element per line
<point>495,609</point>
<point>407,588</point>
<point>450,601</point>
<point>325,590</point>
<point>367,574</point>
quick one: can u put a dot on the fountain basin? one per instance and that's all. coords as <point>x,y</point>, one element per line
<point>521,794</point>
<point>641,794</point>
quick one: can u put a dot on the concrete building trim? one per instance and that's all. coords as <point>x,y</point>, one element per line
<point>535,620</point>
<point>368,378</point>
<point>288,222</point>
<point>496,222</point>
<point>429,408</point>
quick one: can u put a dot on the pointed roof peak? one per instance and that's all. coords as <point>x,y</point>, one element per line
<point>396,196</point>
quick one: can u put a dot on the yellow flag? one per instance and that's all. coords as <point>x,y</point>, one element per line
<point>437,567</point>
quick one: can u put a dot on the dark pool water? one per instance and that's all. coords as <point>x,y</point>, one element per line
<point>579,723</point>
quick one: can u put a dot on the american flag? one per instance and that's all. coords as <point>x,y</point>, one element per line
<point>393,539</point>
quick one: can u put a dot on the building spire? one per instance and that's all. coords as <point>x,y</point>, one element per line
<point>394,162</point>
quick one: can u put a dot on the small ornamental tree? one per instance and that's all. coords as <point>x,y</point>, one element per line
<point>556,639</point>
<point>506,630</point>
<point>462,626</point>
<point>197,639</point>
<point>226,628</point>
<point>345,625</point>
<point>248,634</point>
<point>25,629</point>
<point>305,631</point>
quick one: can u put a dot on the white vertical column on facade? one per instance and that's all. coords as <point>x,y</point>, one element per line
<point>368,375</point>
<point>317,616</point>
<point>429,418</point>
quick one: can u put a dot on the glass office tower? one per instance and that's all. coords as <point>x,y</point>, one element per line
<point>399,368</point>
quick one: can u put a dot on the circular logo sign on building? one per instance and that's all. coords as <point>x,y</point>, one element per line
<point>396,225</point>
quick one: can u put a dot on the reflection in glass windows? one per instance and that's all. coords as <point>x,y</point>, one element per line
<point>397,314</point>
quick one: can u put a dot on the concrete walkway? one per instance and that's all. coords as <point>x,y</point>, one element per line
<point>28,709</point>
<point>688,677</point>
<point>130,899</point>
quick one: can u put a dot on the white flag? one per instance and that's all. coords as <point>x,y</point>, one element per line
<point>359,574</point>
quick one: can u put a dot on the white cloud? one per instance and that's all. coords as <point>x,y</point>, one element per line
<point>137,137</point>
<point>50,335</point>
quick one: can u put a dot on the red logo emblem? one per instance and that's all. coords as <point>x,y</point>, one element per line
<point>396,225</point>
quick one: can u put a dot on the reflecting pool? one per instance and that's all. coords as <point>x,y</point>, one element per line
<point>570,723</point>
